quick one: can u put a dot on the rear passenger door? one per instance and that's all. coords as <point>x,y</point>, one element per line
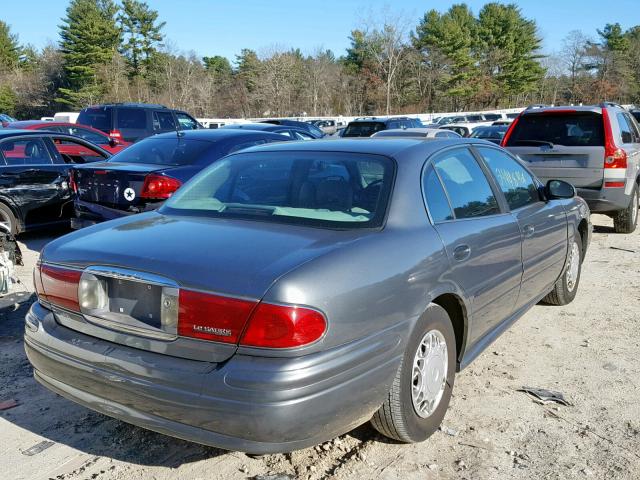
<point>630,137</point>
<point>482,240</point>
<point>32,178</point>
<point>543,225</point>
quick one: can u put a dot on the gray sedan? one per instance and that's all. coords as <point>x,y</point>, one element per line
<point>291,292</point>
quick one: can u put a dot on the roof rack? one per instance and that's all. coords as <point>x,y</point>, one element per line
<point>137,104</point>
<point>609,104</point>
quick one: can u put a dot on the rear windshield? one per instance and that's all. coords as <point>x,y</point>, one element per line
<point>99,118</point>
<point>163,151</point>
<point>363,129</point>
<point>489,132</point>
<point>571,129</point>
<point>325,189</point>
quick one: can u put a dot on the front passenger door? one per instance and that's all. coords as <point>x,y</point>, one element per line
<point>543,225</point>
<point>482,241</point>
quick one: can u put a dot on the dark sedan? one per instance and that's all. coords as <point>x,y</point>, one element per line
<point>144,175</point>
<point>294,133</point>
<point>34,177</point>
<point>292,292</point>
<point>491,133</point>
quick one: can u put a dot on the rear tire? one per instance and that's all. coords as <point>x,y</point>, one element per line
<point>566,288</point>
<point>625,221</point>
<point>8,218</point>
<point>406,415</point>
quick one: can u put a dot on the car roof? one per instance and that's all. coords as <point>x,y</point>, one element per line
<point>216,134</point>
<point>566,108</point>
<point>31,123</point>
<point>14,132</point>
<point>129,105</point>
<point>387,146</point>
<point>253,126</point>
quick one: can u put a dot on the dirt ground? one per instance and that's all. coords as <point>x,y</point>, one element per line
<point>589,350</point>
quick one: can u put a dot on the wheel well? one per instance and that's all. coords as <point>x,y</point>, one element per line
<point>584,234</point>
<point>456,311</point>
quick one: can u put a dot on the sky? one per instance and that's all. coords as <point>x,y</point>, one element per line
<point>224,27</point>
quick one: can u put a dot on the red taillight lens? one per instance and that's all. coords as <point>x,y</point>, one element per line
<point>159,186</point>
<point>510,130</point>
<point>115,134</point>
<point>614,157</point>
<point>279,326</point>
<point>212,317</point>
<point>59,286</point>
<point>614,184</point>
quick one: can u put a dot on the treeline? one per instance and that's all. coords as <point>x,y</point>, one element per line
<point>447,61</point>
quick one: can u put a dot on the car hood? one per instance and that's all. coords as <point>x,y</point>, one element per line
<point>235,257</point>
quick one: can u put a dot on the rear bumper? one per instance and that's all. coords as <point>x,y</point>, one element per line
<point>605,200</point>
<point>87,213</point>
<point>251,404</point>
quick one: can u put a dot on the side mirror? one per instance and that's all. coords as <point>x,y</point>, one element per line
<point>557,189</point>
<point>113,142</point>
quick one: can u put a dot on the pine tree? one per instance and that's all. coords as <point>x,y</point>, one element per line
<point>509,46</point>
<point>89,39</point>
<point>9,48</point>
<point>217,65</point>
<point>142,35</point>
<point>451,35</point>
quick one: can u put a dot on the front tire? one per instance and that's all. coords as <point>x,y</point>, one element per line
<point>625,221</point>
<point>421,390</point>
<point>566,288</point>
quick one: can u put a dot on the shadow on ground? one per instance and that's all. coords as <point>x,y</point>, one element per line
<point>48,415</point>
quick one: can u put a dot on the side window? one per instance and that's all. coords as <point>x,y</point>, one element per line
<point>163,121</point>
<point>75,152</point>
<point>186,122</point>
<point>515,182</point>
<point>442,135</point>
<point>393,125</point>
<point>28,151</point>
<point>135,118</point>
<point>634,127</point>
<point>466,184</point>
<point>303,136</point>
<point>88,135</point>
<point>437,202</point>
<point>625,129</point>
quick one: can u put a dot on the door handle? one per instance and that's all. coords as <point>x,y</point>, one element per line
<point>461,252</point>
<point>528,230</point>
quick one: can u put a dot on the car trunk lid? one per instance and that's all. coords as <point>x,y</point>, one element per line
<point>233,259</point>
<point>112,184</point>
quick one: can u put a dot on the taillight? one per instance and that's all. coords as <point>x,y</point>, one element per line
<point>614,156</point>
<point>507,135</point>
<point>159,186</point>
<point>58,286</point>
<point>230,320</point>
<point>281,326</point>
<point>212,317</point>
<point>115,134</point>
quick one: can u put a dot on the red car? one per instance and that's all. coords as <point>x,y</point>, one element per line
<point>110,144</point>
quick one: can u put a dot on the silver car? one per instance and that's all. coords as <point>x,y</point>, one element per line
<point>595,148</point>
<point>291,292</point>
<point>416,133</point>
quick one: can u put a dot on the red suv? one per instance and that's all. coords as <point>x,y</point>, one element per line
<point>110,144</point>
